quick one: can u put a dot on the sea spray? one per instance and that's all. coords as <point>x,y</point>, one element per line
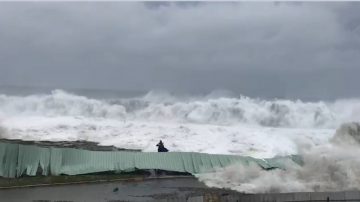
<point>196,110</point>
<point>215,123</point>
<point>329,167</point>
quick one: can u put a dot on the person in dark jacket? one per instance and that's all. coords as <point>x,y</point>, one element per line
<point>161,147</point>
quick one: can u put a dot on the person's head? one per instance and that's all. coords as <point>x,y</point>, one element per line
<point>160,144</point>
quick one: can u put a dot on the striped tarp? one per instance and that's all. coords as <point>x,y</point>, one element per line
<point>17,160</point>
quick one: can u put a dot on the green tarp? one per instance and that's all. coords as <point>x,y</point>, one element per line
<point>17,160</point>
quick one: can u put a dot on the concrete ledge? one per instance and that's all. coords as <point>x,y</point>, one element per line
<point>162,189</point>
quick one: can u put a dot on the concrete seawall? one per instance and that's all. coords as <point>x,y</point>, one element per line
<point>167,189</point>
<point>345,196</point>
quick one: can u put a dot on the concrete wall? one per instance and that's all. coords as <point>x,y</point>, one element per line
<point>346,196</point>
<point>161,190</point>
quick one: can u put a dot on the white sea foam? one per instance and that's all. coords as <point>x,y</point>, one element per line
<point>328,167</point>
<point>205,110</point>
<point>216,123</point>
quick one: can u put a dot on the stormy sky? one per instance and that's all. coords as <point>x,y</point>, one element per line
<point>286,50</point>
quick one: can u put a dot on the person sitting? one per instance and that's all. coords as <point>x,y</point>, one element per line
<point>161,147</point>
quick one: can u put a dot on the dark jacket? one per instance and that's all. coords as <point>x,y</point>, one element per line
<point>161,147</point>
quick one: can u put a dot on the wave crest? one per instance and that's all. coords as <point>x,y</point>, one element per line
<point>204,110</point>
<point>58,103</point>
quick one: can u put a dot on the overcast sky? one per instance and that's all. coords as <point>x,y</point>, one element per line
<point>292,50</point>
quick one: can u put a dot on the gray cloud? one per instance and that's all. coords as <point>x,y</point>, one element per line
<point>302,50</point>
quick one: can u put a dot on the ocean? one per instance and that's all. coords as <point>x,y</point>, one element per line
<point>218,123</point>
<point>213,123</point>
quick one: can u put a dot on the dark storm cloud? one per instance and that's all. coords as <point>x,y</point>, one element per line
<point>302,50</point>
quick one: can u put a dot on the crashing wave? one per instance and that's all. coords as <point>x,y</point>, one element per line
<point>58,103</point>
<point>205,110</point>
<point>347,134</point>
<point>327,167</point>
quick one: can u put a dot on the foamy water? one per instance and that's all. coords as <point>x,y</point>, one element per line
<point>211,124</point>
<point>332,166</point>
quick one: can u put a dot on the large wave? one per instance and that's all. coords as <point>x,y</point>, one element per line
<point>216,123</point>
<point>204,110</point>
<point>329,167</point>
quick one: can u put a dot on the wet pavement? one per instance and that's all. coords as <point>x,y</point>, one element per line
<point>185,188</point>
